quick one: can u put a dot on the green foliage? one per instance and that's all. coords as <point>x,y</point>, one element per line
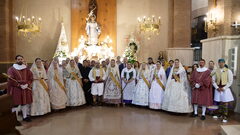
<point>131,51</point>
<point>60,54</point>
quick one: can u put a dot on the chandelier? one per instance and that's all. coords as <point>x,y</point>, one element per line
<point>28,26</point>
<point>149,25</point>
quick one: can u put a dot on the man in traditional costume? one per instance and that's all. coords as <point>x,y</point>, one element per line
<point>41,101</point>
<point>74,84</point>
<point>128,83</point>
<point>156,94</point>
<point>85,70</point>
<point>97,76</point>
<point>177,95</point>
<point>201,82</point>
<point>141,93</point>
<point>57,90</point>
<point>222,81</point>
<point>112,92</point>
<point>20,79</point>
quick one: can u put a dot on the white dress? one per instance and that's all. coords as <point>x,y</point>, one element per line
<point>156,93</point>
<point>75,92</point>
<point>128,89</point>
<point>41,102</point>
<point>58,97</point>
<point>140,96</point>
<point>177,96</point>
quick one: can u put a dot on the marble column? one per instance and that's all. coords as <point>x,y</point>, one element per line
<point>180,31</point>
<point>8,49</point>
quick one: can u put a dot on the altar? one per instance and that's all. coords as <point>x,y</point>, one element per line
<point>92,37</point>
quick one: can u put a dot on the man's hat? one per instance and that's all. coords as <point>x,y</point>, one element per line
<point>221,60</point>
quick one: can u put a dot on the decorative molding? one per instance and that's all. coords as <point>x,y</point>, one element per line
<point>187,48</point>
<point>221,38</point>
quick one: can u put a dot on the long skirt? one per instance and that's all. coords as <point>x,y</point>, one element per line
<point>128,90</point>
<point>177,98</point>
<point>41,101</point>
<point>75,93</point>
<point>58,97</point>
<point>156,96</point>
<point>112,92</point>
<point>140,96</point>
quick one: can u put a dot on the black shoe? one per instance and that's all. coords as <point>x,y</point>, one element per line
<point>28,119</point>
<point>18,123</point>
<point>194,115</point>
<point>203,117</point>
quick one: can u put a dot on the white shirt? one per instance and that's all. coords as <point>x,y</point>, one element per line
<point>230,80</point>
<point>128,71</point>
<point>19,67</point>
<point>98,73</point>
<point>203,69</point>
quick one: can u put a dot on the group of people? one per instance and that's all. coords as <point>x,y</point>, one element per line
<point>43,87</point>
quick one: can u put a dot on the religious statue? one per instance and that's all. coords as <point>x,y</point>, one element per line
<point>92,28</point>
<point>93,31</point>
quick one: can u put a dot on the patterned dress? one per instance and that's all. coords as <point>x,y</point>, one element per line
<point>112,91</point>
<point>41,101</point>
<point>75,92</point>
<point>140,96</point>
<point>58,97</point>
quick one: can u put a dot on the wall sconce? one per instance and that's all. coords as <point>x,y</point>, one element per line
<point>236,26</point>
<point>212,18</point>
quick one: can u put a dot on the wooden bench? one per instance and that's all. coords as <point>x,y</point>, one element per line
<point>8,119</point>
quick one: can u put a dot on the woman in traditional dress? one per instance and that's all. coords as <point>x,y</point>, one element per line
<point>75,92</point>
<point>112,92</point>
<point>140,96</point>
<point>177,96</point>
<point>128,76</point>
<point>57,91</point>
<point>156,93</point>
<point>41,102</point>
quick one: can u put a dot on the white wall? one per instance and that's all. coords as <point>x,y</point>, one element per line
<point>51,12</point>
<point>197,4</point>
<point>127,13</point>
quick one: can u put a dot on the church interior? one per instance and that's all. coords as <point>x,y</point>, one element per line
<point>186,31</point>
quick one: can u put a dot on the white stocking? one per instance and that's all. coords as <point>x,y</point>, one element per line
<point>195,109</point>
<point>25,111</point>
<point>204,110</point>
